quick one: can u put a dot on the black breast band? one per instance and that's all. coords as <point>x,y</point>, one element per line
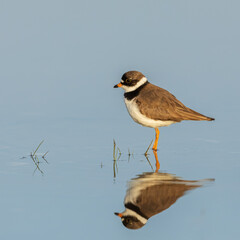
<point>136,209</point>
<point>133,94</point>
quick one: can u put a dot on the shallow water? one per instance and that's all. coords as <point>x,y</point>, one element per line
<point>60,61</point>
<point>78,191</point>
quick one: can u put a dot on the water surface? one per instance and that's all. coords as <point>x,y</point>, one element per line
<point>60,61</point>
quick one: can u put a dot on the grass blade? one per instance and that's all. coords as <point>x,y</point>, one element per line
<point>38,147</point>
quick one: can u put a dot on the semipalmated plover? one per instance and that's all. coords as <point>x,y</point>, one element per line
<point>152,193</point>
<point>152,106</point>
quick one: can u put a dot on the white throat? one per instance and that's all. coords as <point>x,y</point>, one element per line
<point>130,89</point>
<point>129,212</point>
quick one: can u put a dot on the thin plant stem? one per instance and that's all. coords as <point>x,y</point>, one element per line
<point>38,147</point>
<point>146,153</point>
<point>149,162</point>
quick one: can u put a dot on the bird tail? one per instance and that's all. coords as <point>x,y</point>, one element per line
<point>190,114</point>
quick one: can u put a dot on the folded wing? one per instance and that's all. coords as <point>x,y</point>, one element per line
<point>159,104</point>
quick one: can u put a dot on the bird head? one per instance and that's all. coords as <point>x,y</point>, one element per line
<point>131,81</point>
<point>130,222</point>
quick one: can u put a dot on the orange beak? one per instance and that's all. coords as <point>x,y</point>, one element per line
<point>118,214</point>
<point>118,85</point>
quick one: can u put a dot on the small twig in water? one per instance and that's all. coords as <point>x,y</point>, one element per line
<point>146,153</point>
<point>34,157</point>
<point>129,155</point>
<point>43,156</point>
<point>116,151</point>
<point>149,162</point>
<point>115,169</point>
<point>116,156</point>
<point>37,165</point>
<point>37,148</point>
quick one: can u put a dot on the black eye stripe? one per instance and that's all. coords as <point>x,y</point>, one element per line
<point>130,83</point>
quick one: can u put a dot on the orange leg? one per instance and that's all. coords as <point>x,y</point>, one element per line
<point>157,162</point>
<point>156,139</point>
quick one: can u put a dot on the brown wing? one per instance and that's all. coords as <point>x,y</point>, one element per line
<point>159,104</point>
<point>158,198</point>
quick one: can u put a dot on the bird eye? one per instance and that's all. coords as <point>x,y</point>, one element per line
<point>128,80</point>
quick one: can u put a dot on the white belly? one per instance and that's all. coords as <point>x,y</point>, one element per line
<point>141,119</point>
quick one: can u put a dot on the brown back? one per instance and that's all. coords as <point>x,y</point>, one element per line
<point>159,104</point>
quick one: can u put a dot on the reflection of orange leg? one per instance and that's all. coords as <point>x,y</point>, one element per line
<point>157,162</point>
<point>156,139</point>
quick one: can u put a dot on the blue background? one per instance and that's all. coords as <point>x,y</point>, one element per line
<point>59,62</point>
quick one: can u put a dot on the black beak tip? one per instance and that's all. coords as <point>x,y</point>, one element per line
<point>116,86</point>
<point>116,213</point>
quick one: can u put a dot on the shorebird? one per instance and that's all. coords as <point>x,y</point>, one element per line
<point>152,106</point>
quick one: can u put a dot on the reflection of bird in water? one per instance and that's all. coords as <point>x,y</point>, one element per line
<point>152,106</point>
<point>152,193</point>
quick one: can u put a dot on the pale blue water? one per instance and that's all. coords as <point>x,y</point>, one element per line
<point>60,61</point>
